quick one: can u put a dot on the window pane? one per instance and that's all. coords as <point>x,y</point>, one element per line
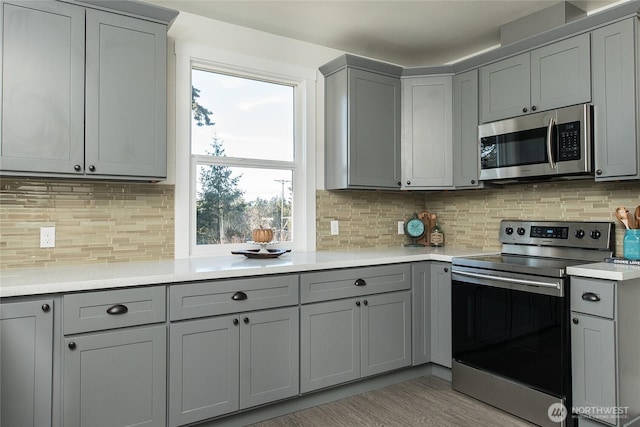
<point>232,201</point>
<point>250,118</point>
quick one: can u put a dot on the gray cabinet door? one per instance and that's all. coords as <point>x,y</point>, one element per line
<point>505,88</point>
<point>269,356</point>
<point>386,332</point>
<point>330,344</point>
<point>115,378</point>
<point>203,369</point>
<point>466,148</point>
<point>421,312</point>
<point>42,87</point>
<point>561,74</point>
<point>374,130</point>
<point>362,126</point>
<point>593,352</point>
<point>441,313</point>
<point>617,152</point>
<point>125,96</point>
<point>26,363</point>
<point>427,133</point>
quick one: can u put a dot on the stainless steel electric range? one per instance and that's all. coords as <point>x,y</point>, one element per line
<point>510,316</point>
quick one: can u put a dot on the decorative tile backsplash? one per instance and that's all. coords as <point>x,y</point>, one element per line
<point>99,222</point>
<point>95,222</point>
<point>469,218</point>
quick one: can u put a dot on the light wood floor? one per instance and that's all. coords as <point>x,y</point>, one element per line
<point>425,401</point>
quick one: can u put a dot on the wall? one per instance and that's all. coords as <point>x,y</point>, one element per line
<point>95,222</point>
<point>469,218</point>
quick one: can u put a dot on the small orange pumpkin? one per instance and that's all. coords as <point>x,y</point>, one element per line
<point>262,235</point>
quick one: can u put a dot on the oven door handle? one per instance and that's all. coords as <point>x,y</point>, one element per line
<point>552,162</point>
<point>509,280</point>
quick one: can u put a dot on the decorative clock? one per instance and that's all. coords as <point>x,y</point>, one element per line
<point>414,228</point>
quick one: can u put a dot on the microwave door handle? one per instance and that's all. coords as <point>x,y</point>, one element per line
<point>552,162</point>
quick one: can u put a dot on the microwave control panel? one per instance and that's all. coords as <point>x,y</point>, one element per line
<point>569,141</point>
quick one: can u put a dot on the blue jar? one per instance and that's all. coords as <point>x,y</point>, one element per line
<point>631,244</point>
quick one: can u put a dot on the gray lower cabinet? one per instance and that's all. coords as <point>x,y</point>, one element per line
<point>114,358</point>
<point>431,313</point>
<point>552,76</point>
<point>604,351</point>
<point>615,89</point>
<point>222,364</point>
<point>115,378</point>
<point>26,363</point>
<point>99,110</point>
<point>427,154</point>
<point>466,149</point>
<point>347,339</point>
<point>362,124</point>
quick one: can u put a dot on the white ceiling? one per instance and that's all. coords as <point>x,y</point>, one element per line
<point>408,33</point>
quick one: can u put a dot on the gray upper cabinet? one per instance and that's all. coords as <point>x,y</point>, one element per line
<point>126,96</point>
<point>362,125</point>
<point>26,363</point>
<point>100,107</point>
<point>42,112</point>
<point>549,77</point>
<point>466,149</point>
<point>427,153</point>
<point>617,147</point>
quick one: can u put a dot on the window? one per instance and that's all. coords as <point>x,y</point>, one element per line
<point>247,162</point>
<point>242,146</point>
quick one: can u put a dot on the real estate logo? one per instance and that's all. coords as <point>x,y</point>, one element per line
<point>557,412</point>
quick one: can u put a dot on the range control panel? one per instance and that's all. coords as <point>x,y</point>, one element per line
<point>574,234</point>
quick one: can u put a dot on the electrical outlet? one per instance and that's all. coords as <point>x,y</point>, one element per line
<point>47,237</point>
<point>335,230</point>
<point>400,227</point>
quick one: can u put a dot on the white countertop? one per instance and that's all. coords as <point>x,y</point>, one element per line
<point>60,279</point>
<point>605,270</point>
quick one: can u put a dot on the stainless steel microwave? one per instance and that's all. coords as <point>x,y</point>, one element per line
<point>557,143</point>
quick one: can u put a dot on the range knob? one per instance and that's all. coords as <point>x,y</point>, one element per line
<point>579,234</point>
<point>509,230</point>
<point>520,231</point>
<point>595,234</point>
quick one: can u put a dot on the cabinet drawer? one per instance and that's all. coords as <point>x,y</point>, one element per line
<point>211,298</point>
<point>96,311</point>
<point>595,297</point>
<point>352,282</point>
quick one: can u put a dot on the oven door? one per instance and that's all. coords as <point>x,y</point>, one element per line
<point>512,327</point>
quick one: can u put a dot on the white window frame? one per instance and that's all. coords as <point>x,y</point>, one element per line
<point>303,81</point>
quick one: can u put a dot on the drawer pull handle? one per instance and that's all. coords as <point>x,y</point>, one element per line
<point>360,282</point>
<point>239,296</point>
<point>72,345</point>
<point>117,309</point>
<point>590,296</point>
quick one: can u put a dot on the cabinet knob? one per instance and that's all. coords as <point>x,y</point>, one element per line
<point>408,182</point>
<point>246,320</point>
<point>365,302</point>
<point>473,181</point>
<point>239,296</point>
<point>599,172</point>
<point>77,168</point>
<point>235,322</point>
<point>72,345</point>
<point>575,321</point>
<point>360,282</point>
<point>399,183</point>
<point>92,168</point>
<point>525,109</point>
<point>46,307</point>
<point>357,303</point>
<point>117,309</point>
<point>446,270</point>
<point>534,108</point>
